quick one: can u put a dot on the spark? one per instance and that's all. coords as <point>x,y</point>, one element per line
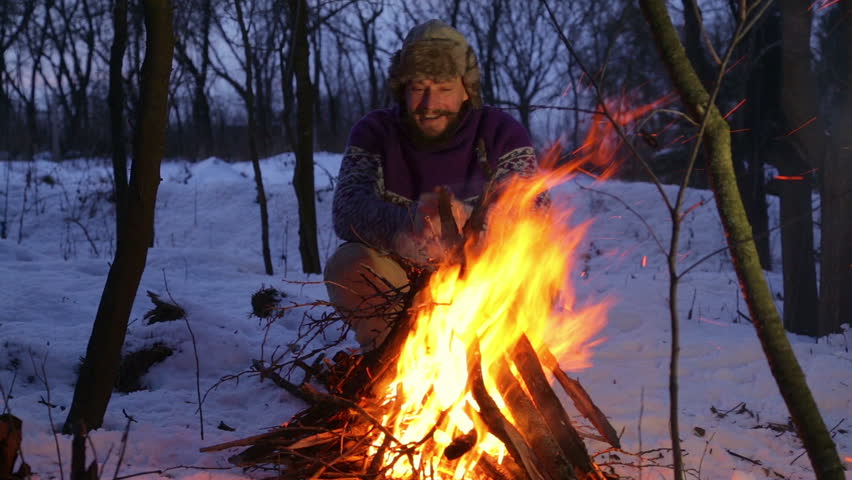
<point>801,126</point>
<point>689,210</point>
<point>582,147</point>
<point>675,140</point>
<point>664,128</point>
<point>800,176</point>
<point>735,64</point>
<point>740,130</point>
<point>714,322</point>
<point>644,261</point>
<point>736,107</point>
<point>826,5</point>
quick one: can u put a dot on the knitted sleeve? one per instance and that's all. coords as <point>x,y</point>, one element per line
<point>360,210</point>
<point>516,156</point>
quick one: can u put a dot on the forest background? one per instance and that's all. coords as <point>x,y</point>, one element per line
<point>253,78</point>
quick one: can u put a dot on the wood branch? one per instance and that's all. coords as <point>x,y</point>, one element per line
<point>242,442</point>
<point>450,235</point>
<point>551,459</point>
<point>581,399</point>
<point>548,404</point>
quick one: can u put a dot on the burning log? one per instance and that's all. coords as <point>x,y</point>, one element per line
<point>550,407</point>
<point>581,399</point>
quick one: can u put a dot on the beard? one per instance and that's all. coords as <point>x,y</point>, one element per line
<point>433,142</point>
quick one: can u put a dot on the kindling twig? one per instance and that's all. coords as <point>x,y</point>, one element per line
<point>195,353</point>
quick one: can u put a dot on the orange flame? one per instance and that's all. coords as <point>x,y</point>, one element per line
<point>513,283</point>
<point>600,150</point>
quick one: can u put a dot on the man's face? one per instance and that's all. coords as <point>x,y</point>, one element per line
<point>433,105</point>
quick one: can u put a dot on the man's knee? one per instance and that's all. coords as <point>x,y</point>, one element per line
<point>358,279</point>
<point>362,270</point>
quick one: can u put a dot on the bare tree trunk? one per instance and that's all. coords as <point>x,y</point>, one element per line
<point>806,149</point>
<point>116,113</point>
<point>779,354</point>
<point>836,266</point>
<point>303,176</point>
<point>797,252</point>
<point>103,354</point>
<point>252,135</point>
<point>693,26</point>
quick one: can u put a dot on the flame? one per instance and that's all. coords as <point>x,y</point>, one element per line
<point>600,150</point>
<point>513,283</point>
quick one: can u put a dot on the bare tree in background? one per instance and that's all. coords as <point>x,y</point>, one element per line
<point>836,260</point>
<point>192,51</point>
<point>14,21</point>
<point>803,149</point>
<point>366,27</point>
<point>245,90</point>
<point>303,175</point>
<point>528,50</point>
<point>99,371</point>
<point>33,44</point>
<point>73,33</point>
<point>758,122</point>
<point>116,112</point>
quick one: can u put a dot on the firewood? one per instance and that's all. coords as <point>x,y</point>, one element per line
<point>497,424</point>
<point>10,443</point>
<point>554,463</point>
<point>548,404</point>
<point>581,399</point>
<point>450,236</point>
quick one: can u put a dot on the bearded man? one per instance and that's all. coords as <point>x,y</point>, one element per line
<point>437,135</point>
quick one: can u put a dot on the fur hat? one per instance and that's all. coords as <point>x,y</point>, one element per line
<point>435,50</point>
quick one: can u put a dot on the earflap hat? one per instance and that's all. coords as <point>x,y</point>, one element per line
<point>436,51</point>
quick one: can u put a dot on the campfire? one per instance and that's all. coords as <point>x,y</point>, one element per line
<point>461,387</point>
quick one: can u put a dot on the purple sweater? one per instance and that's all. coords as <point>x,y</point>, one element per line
<point>383,173</point>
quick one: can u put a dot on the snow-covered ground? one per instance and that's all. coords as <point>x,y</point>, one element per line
<point>207,257</point>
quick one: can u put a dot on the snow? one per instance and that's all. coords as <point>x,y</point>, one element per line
<point>207,258</point>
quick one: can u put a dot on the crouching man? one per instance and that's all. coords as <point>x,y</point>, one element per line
<point>437,135</point>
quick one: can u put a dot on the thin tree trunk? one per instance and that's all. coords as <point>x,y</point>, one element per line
<point>803,150</point>
<point>303,176</point>
<point>836,267</point>
<point>116,113</point>
<point>797,253</point>
<point>782,361</point>
<point>252,135</point>
<point>103,354</point>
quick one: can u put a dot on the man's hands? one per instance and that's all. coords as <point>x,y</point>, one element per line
<point>424,243</point>
<point>427,219</point>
